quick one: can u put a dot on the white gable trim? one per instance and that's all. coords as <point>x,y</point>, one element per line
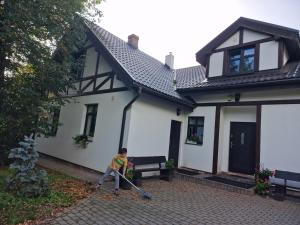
<point>233,40</point>
<point>249,36</point>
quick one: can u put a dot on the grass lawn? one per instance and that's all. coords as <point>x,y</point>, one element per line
<point>65,191</point>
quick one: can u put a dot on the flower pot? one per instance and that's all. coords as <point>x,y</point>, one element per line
<point>166,174</point>
<point>124,184</point>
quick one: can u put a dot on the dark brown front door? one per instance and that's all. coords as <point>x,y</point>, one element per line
<point>174,141</point>
<point>242,147</point>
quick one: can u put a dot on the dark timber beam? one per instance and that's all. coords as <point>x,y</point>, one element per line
<point>258,134</point>
<point>216,140</point>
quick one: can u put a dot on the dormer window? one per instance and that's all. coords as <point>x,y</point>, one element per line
<point>241,60</point>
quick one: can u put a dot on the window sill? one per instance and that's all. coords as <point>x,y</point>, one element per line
<point>90,139</point>
<point>189,143</point>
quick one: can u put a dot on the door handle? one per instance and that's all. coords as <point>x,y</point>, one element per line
<point>231,144</point>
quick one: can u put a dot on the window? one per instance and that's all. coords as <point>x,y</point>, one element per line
<point>241,60</point>
<point>54,121</point>
<point>90,119</point>
<point>195,130</point>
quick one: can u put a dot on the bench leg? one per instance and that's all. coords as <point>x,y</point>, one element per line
<point>284,187</point>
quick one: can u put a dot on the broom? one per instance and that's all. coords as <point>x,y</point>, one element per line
<point>141,191</point>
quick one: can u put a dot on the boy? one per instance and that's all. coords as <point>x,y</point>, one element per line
<point>120,160</point>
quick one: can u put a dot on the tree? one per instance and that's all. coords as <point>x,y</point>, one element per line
<point>37,39</point>
<point>27,180</point>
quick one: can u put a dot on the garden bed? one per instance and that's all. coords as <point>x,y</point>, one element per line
<point>65,191</point>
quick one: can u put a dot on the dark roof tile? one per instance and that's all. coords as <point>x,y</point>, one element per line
<point>141,67</point>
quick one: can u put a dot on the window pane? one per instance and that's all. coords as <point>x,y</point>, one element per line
<point>241,63</point>
<point>55,121</point>
<point>200,121</point>
<point>234,66</point>
<point>192,121</point>
<point>248,51</point>
<point>89,109</point>
<point>88,124</point>
<point>248,65</point>
<point>93,124</point>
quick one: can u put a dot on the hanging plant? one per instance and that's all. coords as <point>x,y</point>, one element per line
<point>81,140</point>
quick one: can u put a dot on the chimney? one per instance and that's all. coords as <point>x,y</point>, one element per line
<point>169,61</point>
<point>133,41</point>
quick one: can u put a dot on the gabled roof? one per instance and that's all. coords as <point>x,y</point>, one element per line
<point>289,35</point>
<point>288,74</point>
<point>189,77</point>
<point>144,70</point>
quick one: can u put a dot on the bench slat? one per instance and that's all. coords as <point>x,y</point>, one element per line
<point>144,160</point>
<point>287,175</point>
<point>147,170</point>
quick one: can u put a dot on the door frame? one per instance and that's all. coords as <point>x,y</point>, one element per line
<point>217,132</point>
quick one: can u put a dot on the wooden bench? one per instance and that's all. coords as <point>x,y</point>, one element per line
<point>154,161</point>
<point>286,176</point>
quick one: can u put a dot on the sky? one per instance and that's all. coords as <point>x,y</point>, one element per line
<point>184,27</point>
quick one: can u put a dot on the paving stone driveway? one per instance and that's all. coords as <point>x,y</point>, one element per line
<point>180,202</point>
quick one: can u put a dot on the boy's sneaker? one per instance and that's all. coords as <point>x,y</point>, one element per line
<point>116,192</point>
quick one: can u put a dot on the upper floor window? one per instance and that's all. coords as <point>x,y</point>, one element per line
<point>90,119</point>
<point>241,60</point>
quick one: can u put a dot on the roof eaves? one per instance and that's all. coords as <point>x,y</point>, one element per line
<point>290,81</point>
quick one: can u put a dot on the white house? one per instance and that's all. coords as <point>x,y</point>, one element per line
<point>238,109</point>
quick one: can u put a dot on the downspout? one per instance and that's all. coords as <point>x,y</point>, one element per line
<point>138,94</point>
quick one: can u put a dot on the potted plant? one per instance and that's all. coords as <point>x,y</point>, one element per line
<point>167,173</point>
<point>263,175</point>
<point>81,140</point>
<point>129,175</point>
<point>262,181</point>
<point>137,178</point>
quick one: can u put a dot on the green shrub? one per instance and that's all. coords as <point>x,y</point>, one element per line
<point>170,164</point>
<point>81,140</point>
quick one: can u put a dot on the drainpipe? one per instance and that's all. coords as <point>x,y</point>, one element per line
<point>138,94</point>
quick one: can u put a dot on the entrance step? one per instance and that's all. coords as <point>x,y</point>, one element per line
<point>200,179</point>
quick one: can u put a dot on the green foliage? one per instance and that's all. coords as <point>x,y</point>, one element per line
<point>17,209</point>
<point>262,188</point>
<point>26,179</point>
<point>130,173</point>
<point>263,174</point>
<point>81,140</point>
<point>38,40</point>
<point>262,181</point>
<point>170,164</point>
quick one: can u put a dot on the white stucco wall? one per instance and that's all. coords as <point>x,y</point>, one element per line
<point>107,131</point>
<point>280,142</point>
<point>231,114</point>
<point>103,67</point>
<point>216,64</point>
<point>200,157</point>
<point>233,40</point>
<point>149,128</point>
<point>90,62</point>
<point>250,35</point>
<point>268,55</point>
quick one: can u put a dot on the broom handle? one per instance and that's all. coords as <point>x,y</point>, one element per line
<point>128,180</point>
